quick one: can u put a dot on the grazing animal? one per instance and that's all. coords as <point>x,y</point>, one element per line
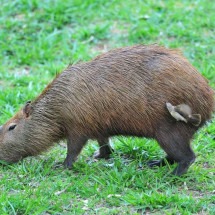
<point>121,92</point>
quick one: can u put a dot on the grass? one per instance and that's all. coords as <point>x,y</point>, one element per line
<point>39,39</point>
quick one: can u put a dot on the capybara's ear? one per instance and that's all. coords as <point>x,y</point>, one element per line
<point>27,109</point>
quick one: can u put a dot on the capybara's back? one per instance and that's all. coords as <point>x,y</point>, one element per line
<point>123,92</point>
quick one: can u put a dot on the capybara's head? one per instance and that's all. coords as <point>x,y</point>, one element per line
<point>12,136</point>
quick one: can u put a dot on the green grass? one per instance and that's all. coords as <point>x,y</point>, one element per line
<point>39,39</point>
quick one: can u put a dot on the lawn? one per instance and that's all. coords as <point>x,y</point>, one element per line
<point>39,39</point>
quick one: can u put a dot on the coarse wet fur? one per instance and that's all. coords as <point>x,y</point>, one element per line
<point>121,92</point>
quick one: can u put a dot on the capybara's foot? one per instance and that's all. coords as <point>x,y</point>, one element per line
<point>105,149</point>
<point>162,162</point>
<point>104,152</point>
<point>58,165</point>
<point>183,167</point>
<point>99,155</point>
<point>154,163</point>
<point>68,163</point>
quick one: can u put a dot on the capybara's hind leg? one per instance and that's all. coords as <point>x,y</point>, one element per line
<point>74,147</point>
<point>176,143</point>
<point>104,148</point>
<point>184,165</point>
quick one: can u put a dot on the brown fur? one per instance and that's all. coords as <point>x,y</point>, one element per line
<point>121,92</point>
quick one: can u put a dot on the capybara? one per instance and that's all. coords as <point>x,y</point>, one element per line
<point>121,92</point>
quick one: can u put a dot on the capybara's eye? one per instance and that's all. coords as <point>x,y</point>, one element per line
<point>11,127</point>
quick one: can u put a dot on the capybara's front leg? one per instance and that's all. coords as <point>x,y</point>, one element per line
<point>105,149</point>
<point>74,147</point>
